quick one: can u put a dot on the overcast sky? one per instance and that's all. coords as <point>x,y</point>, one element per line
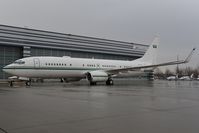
<point>175,21</point>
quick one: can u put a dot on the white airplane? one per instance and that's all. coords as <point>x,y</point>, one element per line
<point>191,77</point>
<point>95,70</point>
<point>172,78</point>
<point>185,78</point>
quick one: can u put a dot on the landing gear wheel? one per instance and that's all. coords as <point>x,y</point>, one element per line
<point>93,83</point>
<point>109,82</point>
<point>28,83</point>
<point>11,83</point>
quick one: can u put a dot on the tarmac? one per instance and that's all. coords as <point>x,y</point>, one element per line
<point>132,106</point>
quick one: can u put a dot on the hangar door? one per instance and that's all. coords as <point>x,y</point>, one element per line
<point>8,54</point>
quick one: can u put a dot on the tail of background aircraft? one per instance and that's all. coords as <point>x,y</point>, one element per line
<point>151,54</point>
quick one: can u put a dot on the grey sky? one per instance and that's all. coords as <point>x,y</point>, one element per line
<point>175,21</point>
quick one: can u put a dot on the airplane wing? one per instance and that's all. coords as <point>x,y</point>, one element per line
<point>116,71</point>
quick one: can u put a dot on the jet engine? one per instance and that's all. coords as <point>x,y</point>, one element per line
<point>97,76</point>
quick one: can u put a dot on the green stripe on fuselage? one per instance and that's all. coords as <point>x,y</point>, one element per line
<point>53,68</point>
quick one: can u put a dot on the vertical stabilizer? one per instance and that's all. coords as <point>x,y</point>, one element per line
<point>151,54</point>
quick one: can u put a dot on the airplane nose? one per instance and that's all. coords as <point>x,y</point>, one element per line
<point>7,66</point>
<point>7,69</point>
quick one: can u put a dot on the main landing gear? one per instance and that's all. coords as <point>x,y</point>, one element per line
<point>109,82</point>
<point>61,80</point>
<point>93,83</point>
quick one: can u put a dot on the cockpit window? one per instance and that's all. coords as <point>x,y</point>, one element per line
<point>19,62</point>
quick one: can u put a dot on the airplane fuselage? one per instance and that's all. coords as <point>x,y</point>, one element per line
<point>63,67</point>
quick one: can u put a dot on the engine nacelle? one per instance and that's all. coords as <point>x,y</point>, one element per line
<point>97,76</point>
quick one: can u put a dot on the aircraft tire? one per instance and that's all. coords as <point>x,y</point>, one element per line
<point>28,83</point>
<point>11,83</point>
<point>109,82</point>
<point>93,83</point>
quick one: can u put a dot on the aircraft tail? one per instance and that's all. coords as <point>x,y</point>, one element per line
<point>151,54</point>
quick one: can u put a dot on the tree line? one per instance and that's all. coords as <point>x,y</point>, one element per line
<point>187,71</point>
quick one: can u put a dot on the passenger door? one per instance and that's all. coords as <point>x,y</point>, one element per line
<point>36,63</point>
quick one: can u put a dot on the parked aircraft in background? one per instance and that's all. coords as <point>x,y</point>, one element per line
<point>172,78</point>
<point>185,78</point>
<point>95,70</point>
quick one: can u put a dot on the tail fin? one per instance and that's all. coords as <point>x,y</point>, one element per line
<point>151,54</point>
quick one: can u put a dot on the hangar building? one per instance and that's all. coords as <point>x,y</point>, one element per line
<point>17,42</point>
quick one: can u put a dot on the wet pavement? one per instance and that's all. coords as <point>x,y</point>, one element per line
<point>127,107</point>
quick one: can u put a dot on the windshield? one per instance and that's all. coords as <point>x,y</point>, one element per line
<point>19,62</point>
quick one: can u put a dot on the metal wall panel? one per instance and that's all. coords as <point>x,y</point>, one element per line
<point>45,39</point>
<point>60,53</point>
<point>8,55</point>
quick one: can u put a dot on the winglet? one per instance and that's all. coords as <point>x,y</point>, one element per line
<point>189,56</point>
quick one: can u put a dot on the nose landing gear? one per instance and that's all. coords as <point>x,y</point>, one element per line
<point>28,83</point>
<point>11,83</point>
